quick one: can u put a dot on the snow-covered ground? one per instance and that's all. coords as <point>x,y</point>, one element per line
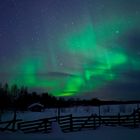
<point>103,133</point>
<point>75,111</point>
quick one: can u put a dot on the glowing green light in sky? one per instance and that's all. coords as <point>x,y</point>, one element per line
<point>81,41</point>
<point>90,77</point>
<point>73,47</point>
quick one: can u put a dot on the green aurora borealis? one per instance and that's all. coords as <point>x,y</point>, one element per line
<point>85,54</point>
<point>83,44</point>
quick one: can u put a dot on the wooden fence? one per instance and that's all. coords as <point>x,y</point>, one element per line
<point>70,123</point>
<point>9,125</point>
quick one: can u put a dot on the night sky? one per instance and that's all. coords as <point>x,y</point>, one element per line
<point>81,48</point>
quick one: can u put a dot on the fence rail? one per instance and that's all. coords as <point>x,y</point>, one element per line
<point>9,125</point>
<point>70,123</point>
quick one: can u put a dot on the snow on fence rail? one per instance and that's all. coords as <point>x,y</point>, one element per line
<point>69,123</point>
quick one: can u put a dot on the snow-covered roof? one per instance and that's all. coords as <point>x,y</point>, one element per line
<point>35,104</point>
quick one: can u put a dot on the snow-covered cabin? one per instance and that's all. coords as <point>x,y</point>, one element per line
<point>36,107</point>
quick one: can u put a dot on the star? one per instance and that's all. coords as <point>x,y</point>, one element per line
<point>117,31</point>
<point>72,23</point>
<point>61,64</point>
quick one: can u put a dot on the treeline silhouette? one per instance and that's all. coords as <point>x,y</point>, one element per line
<point>14,97</point>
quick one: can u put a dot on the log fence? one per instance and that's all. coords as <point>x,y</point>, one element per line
<point>70,123</point>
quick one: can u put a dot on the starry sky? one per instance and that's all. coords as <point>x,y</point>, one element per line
<point>74,48</point>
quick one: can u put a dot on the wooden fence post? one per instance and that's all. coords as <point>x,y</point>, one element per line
<point>134,117</point>
<point>99,110</point>
<point>58,114</point>
<point>137,106</point>
<point>18,126</point>
<point>94,121</point>
<point>139,116</point>
<point>0,114</point>
<point>71,123</point>
<point>45,125</point>
<point>14,120</point>
<point>119,122</point>
<point>100,121</point>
